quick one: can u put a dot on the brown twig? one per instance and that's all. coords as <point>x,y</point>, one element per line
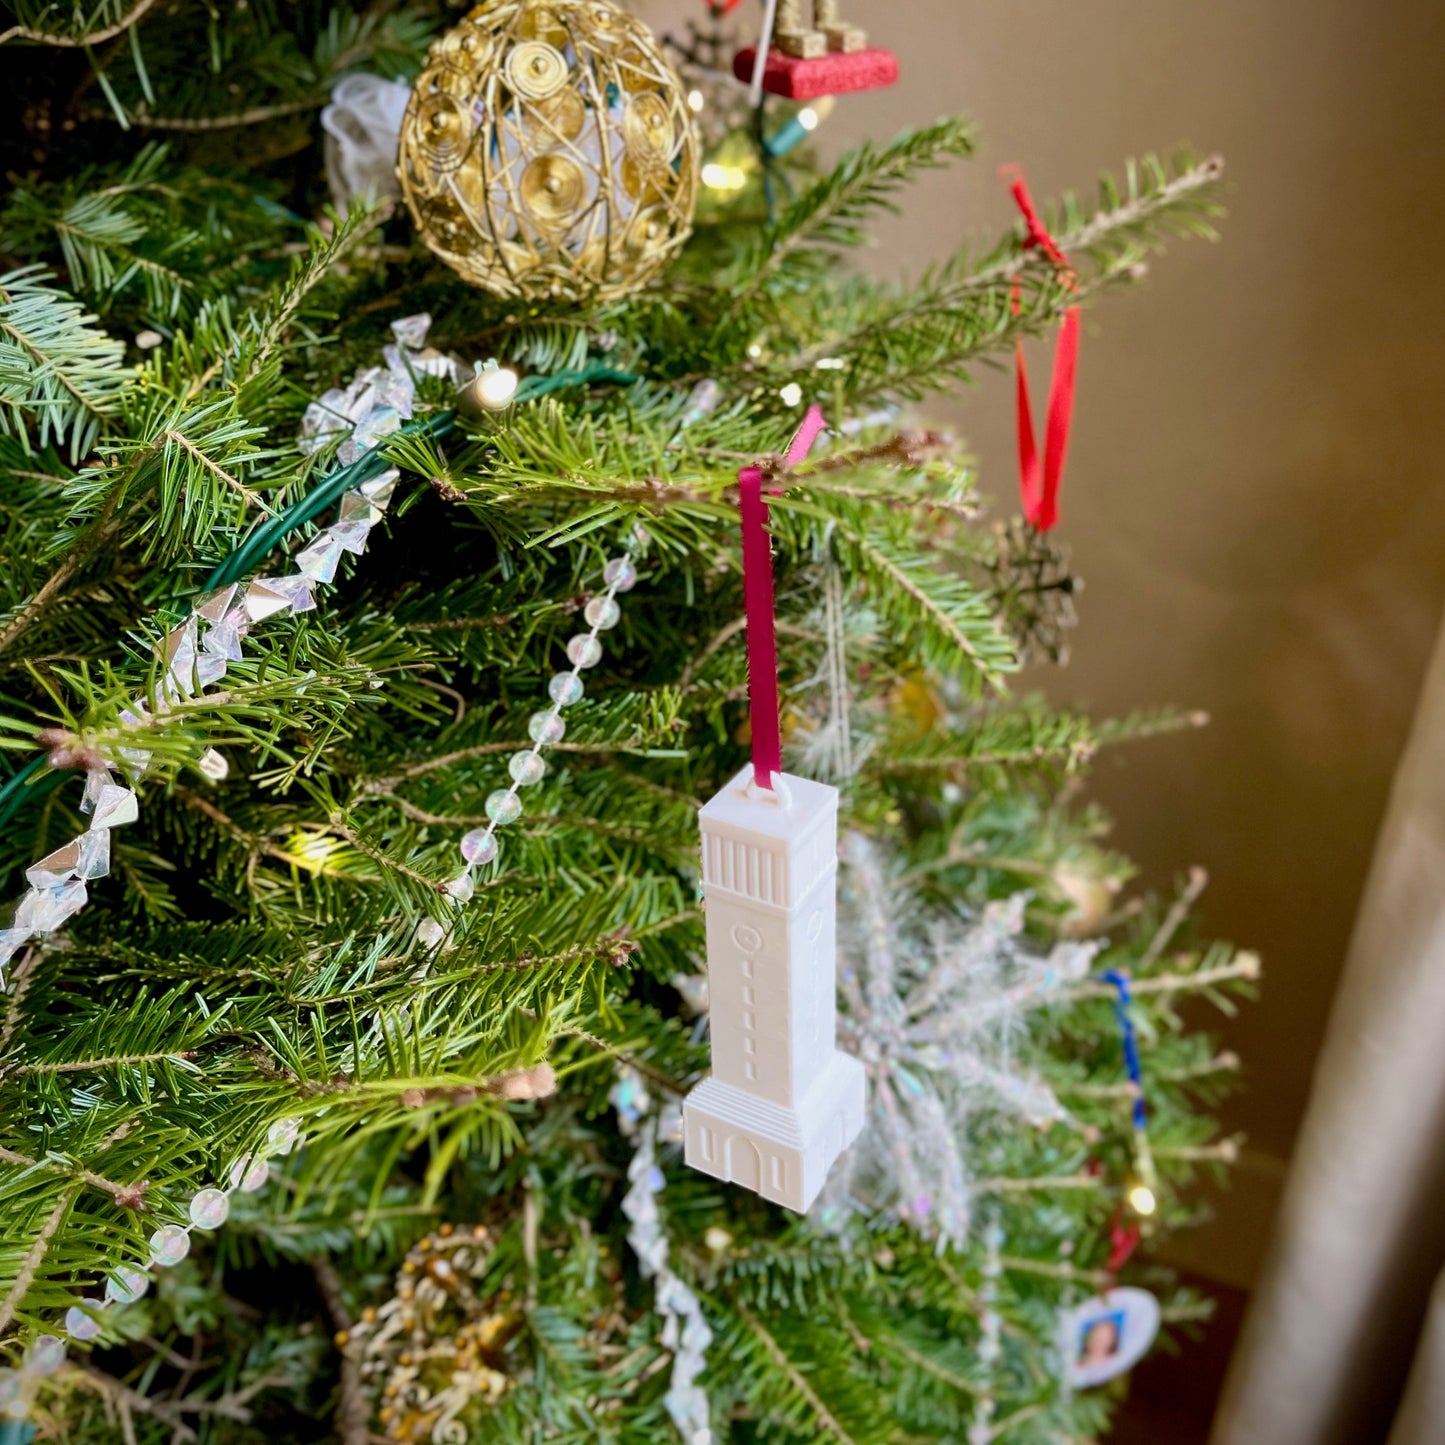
<point>66,42</point>
<point>126,1195</point>
<point>353,1415</point>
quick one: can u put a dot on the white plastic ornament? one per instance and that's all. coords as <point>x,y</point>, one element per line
<point>782,1103</point>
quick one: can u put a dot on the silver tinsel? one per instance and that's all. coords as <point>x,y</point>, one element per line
<point>934,1004</point>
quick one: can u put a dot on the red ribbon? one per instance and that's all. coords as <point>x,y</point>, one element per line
<point>763,707</point>
<point>1040,479</point>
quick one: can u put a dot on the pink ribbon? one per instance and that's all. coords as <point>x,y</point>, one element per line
<point>763,706</point>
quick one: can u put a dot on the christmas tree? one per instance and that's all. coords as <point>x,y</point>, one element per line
<point>359,696</point>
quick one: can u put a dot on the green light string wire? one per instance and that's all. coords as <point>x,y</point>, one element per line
<point>267,535</point>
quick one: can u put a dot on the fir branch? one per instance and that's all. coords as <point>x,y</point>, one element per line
<point>892,1341</point>
<point>826,218</point>
<point>1244,968</point>
<point>126,1195</point>
<point>1179,911</point>
<point>31,1260</point>
<point>822,1415</point>
<point>57,371</point>
<point>269,328</point>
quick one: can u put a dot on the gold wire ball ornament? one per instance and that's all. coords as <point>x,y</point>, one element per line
<point>548,150</point>
<point>435,1354</point>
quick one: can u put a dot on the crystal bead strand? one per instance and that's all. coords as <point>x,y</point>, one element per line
<point>990,1346</point>
<point>198,652</point>
<point>171,1243</point>
<point>546,728</point>
<point>44,1355</point>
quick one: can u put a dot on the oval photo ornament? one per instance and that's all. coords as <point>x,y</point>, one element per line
<point>1107,1336</point>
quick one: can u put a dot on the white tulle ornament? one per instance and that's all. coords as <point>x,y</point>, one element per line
<point>363,129</point>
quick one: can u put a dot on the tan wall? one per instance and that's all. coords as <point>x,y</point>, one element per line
<point>1255,497</point>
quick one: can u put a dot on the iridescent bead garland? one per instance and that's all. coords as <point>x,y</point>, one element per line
<point>547,727</point>
<point>171,1243</point>
<point>198,652</point>
<point>990,1345</point>
<point>684,1331</point>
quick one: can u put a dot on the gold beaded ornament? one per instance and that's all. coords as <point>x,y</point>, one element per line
<point>435,1352</point>
<point>548,151</point>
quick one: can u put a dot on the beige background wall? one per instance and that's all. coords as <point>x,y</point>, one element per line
<point>1256,496</point>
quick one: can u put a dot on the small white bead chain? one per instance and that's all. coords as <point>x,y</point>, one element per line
<point>546,728</point>
<point>169,1245</point>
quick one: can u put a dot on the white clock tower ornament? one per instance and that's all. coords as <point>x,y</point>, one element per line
<point>782,1103</point>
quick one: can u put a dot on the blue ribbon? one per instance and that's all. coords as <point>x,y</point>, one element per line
<point>1123,1012</point>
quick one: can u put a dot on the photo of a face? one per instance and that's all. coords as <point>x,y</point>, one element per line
<point>1106,1337</point>
<point>1100,1339</point>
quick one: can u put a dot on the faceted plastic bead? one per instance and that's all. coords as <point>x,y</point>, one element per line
<point>223,638</point>
<point>282,1135</point>
<point>94,782</point>
<point>461,887</point>
<point>114,807</point>
<point>94,859</point>
<point>267,596</point>
<point>126,1286</point>
<point>351,534</point>
<point>430,933</point>
<point>411,330</point>
<point>170,1244</point>
<point>584,651</point>
<point>213,606</point>
<point>620,575</point>
<point>10,941</point>
<point>546,727</point>
<point>262,600</point>
<point>79,1325</point>
<point>356,508</point>
<point>210,668</point>
<point>379,489</point>
<point>527,768</point>
<point>53,869</point>
<point>320,557</point>
<point>503,807</point>
<point>46,1355</point>
<point>209,1209</point>
<point>602,612</point>
<point>479,846</point>
<point>249,1175</point>
<point>565,688</point>
<point>43,910</point>
<point>179,651</point>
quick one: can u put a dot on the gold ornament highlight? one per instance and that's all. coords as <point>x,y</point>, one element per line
<point>548,150</point>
